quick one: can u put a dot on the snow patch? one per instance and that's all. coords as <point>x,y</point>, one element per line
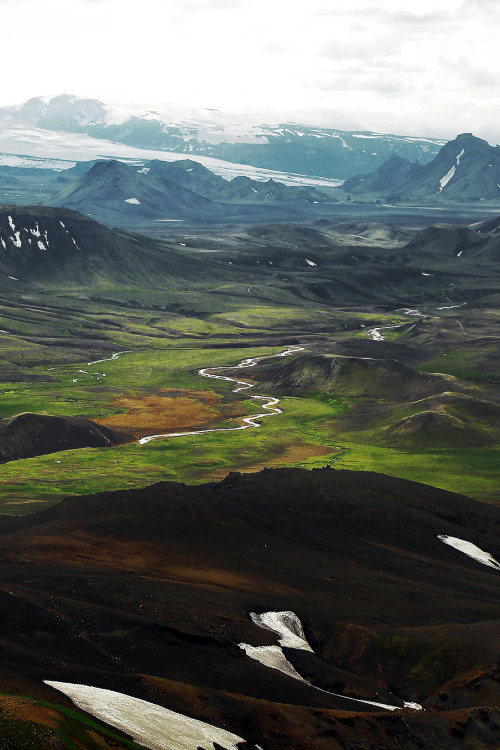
<point>445,180</point>
<point>471,550</point>
<point>310,262</point>
<point>153,726</point>
<point>460,156</point>
<point>132,201</point>
<point>285,624</point>
<point>272,657</point>
<point>41,245</point>
<point>17,239</point>
<point>288,625</point>
<point>459,255</point>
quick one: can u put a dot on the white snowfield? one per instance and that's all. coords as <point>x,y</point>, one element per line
<point>153,726</point>
<point>470,550</point>
<point>269,403</point>
<point>285,624</point>
<point>289,627</point>
<point>49,149</point>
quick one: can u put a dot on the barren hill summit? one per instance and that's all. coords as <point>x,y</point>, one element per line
<point>165,579</point>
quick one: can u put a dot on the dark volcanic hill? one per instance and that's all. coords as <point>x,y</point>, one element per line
<point>149,592</point>
<point>194,176</point>
<point>466,169</point>
<point>479,242</point>
<point>28,434</point>
<point>115,193</point>
<point>50,247</point>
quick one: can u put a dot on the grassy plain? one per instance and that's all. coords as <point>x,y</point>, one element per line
<point>167,337</point>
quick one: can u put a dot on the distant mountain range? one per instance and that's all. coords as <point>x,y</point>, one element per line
<point>376,167</point>
<point>465,170</point>
<point>119,194</point>
<point>286,147</point>
<point>110,188</point>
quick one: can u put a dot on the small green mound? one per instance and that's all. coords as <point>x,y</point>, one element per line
<point>380,379</point>
<point>448,420</point>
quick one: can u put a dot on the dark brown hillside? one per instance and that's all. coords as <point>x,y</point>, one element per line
<point>28,434</point>
<point>148,592</point>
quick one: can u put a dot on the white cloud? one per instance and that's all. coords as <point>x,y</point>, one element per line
<point>418,67</point>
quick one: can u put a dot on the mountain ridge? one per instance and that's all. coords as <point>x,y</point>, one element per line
<point>466,169</point>
<point>301,149</point>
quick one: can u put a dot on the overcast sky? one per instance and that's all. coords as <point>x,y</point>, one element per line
<point>422,67</point>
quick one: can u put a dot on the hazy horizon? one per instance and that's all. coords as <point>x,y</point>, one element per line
<point>420,70</point>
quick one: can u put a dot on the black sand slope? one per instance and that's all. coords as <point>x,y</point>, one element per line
<point>149,592</point>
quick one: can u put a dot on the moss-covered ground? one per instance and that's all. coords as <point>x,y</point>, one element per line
<point>46,369</point>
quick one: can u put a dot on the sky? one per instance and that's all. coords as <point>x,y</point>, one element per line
<point>401,66</point>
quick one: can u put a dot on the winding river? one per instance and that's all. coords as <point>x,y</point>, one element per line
<point>269,403</point>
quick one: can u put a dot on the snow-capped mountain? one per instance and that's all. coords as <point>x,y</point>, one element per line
<point>287,147</point>
<point>466,169</point>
